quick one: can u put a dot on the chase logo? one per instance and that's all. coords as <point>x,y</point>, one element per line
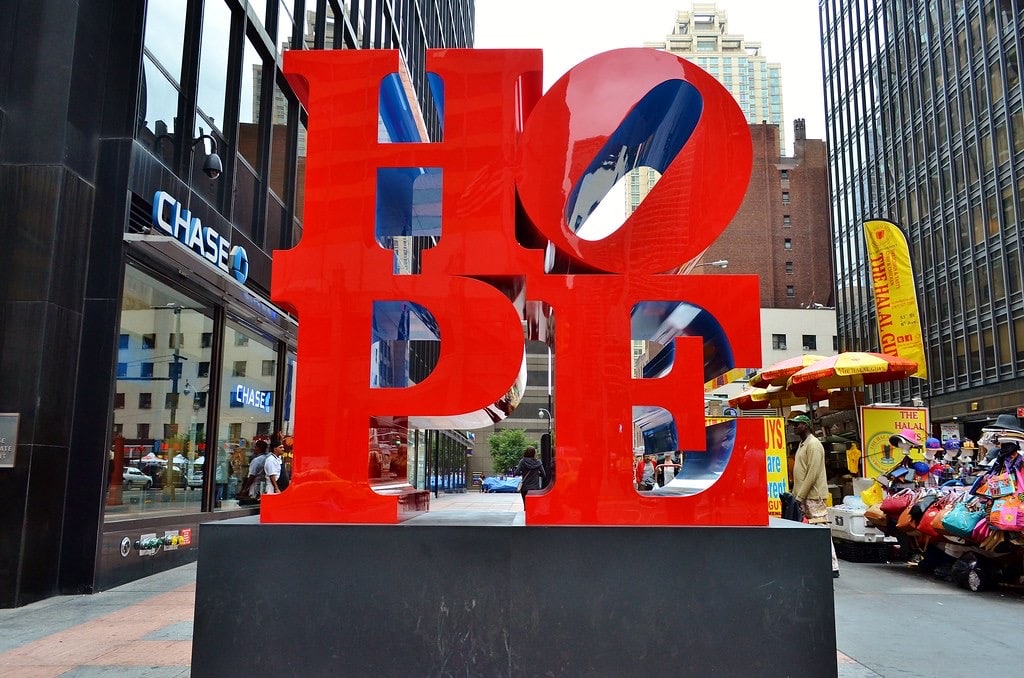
<point>239,264</point>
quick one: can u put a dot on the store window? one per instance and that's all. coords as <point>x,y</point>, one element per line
<point>147,475</point>
<point>247,404</point>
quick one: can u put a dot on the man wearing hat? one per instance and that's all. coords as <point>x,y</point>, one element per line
<point>810,487</point>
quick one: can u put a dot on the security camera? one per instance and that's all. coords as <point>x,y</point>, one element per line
<point>212,166</point>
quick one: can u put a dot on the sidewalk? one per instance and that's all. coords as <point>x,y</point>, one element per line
<point>144,629</point>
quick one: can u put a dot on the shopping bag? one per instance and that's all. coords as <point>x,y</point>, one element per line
<point>1001,485</point>
<point>875,515</point>
<point>872,495</point>
<point>1004,513</point>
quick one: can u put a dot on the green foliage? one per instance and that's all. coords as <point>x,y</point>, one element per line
<point>507,447</point>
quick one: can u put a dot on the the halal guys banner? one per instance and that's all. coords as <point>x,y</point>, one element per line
<point>878,425</point>
<point>899,324</point>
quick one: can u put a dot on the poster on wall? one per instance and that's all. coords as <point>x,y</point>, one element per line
<point>878,424</point>
<point>949,431</point>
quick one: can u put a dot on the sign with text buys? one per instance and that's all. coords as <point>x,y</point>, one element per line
<point>776,463</point>
<point>899,323</point>
<point>878,424</point>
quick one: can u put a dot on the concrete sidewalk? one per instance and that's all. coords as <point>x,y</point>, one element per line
<point>144,629</point>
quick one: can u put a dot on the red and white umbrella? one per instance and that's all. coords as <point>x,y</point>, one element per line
<point>777,374</point>
<point>850,370</point>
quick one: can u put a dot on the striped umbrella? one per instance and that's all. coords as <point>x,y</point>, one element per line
<point>849,370</point>
<point>779,373</point>
<point>774,397</point>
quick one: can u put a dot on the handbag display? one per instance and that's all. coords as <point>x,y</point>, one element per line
<point>918,508</point>
<point>1006,514</point>
<point>963,517</point>
<point>875,515</point>
<point>980,532</point>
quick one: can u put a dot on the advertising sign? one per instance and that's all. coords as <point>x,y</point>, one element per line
<point>776,462</point>
<point>8,439</point>
<point>878,424</point>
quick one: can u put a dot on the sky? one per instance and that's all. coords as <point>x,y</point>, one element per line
<point>570,31</point>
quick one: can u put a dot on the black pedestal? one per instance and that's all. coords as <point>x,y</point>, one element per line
<point>420,600</point>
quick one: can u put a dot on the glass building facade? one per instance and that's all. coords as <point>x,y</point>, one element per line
<point>144,366</point>
<point>925,127</point>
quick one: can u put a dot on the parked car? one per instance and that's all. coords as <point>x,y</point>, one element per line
<point>133,477</point>
<point>194,478</point>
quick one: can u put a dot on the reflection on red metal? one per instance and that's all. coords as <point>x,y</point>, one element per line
<point>609,113</point>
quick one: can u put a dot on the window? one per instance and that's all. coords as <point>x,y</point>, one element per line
<point>206,340</point>
<point>269,368</point>
<point>146,370</point>
<point>171,401</point>
<point>122,341</point>
<point>199,400</point>
<point>204,370</point>
<point>145,401</point>
<point>170,431</point>
<point>239,369</point>
<point>149,341</point>
<point>785,197</point>
<point>142,431</point>
<point>174,370</point>
<point>779,342</point>
<point>241,339</point>
<point>790,291</point>
<point>118,401</point>
<point>784,175</point>
<point>786,221</point>
<point>810,342</point>
<point>175,341</point>
<point>835,343</point>
<point>122,370</point>
<point>787,244</point>
<point>789,267</point>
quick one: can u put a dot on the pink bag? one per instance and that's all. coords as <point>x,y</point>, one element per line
<point>981,530</point>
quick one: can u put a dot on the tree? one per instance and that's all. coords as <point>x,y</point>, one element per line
<point>507,447</point>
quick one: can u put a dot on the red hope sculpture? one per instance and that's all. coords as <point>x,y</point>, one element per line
<point>338,270</point>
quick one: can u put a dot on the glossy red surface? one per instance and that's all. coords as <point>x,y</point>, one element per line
<point>338,270</point>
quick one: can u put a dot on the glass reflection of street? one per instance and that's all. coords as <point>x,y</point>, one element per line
<point>139,503</point>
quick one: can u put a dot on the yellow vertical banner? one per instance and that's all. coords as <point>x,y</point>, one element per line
<point>776,463</point>
<point>899,323</point>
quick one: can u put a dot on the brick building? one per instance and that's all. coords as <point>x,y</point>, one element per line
<point>781,231</point>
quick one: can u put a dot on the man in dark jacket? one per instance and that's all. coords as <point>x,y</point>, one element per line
<point>531,470</point>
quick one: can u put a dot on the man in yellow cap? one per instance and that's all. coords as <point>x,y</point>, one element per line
<point>810,487</point>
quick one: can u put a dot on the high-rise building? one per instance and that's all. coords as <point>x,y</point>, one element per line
<point>125,350</point>
<point>701,35</point>
<point>925,127</point>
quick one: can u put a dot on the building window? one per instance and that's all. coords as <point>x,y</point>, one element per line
<point>149,341</point>
<point>789,267</point>
<point>787,244</point>
<point>204,370</point>
<point>199,400</point>
<point>269,368</point>
<point>779,342</point>
<point>241,339</point>
<point>170,431</point>
<point>810,342</point>
<point>146,370</point>
<point>174,370</point>
<point>118,430</point>
<point>118,401</point>
<point>175,341</point>
<point>790,291</point>
<point>786,221</point>
<point>835,343</point>
<point>238,370</point>
<point>122,369</point>
<point>784,175</point>
<point>145,401</point>
<point>122,341</point>
<point>206,340</point>
<point>785,197</point>
<point>171,401</point>
<point>142,431</point>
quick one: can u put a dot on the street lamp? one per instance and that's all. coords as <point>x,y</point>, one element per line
<point>719,263</point>
<point>541,413</point>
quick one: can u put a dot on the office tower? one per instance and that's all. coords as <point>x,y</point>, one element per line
<point>701,35</point>
<point>925,127</point>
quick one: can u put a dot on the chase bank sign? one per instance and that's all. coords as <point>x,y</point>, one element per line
<point>171,217</point>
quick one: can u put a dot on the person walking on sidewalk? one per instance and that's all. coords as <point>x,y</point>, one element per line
<point>272,468</point>
<point>531,470</point>
<point>810,486</point>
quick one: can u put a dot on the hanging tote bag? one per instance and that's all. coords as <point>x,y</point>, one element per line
<point>895,504</point>
<point>962,518</point>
